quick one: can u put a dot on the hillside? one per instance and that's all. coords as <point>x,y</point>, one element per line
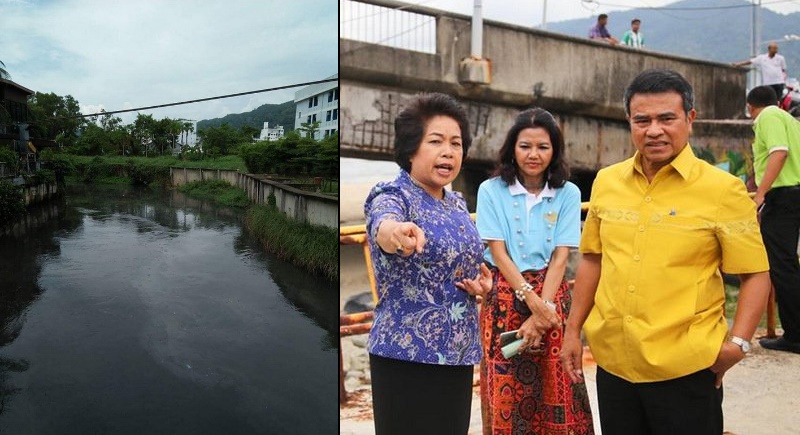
<point>275,114</point>
<point>717,30</point>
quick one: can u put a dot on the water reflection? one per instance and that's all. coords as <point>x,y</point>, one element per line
<point>142,311</point>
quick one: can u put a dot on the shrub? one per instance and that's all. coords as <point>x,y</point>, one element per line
<point>10,158</point>
<point>12,204</point>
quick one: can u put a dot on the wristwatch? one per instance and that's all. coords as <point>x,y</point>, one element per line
<point>742,343</point>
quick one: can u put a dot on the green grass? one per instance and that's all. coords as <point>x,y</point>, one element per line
<point>218,191</point>
<point>311,247</point>
<point>224,162</point>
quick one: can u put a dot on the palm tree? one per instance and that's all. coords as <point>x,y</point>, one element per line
<point>3,73</point>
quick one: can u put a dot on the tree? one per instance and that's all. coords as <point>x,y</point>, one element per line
<point>188,127</point>
<point>55,117</point>
<point>3,72</point>
<point>143,132</point>
<point>221,140</point>
<point>249,132</point>
<point>310,129</point>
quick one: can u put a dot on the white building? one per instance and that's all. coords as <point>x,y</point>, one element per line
<point>318,103</point>
<point>270,133</point>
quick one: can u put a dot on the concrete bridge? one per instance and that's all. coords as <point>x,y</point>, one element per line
<point>579,80</point>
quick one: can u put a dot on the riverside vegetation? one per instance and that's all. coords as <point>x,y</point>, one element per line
<point>311,247</point>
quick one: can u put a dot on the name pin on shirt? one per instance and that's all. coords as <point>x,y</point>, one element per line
<point>672,212</point>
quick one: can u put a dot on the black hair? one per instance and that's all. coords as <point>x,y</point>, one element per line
<point>762,96</point>
<point>635,20</point>
<point>601,16</point>
<point>409,126</point>
<point>657,81</point>
<point>557,172</point>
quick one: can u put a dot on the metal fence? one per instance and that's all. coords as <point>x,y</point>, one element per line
<point>389,26</point>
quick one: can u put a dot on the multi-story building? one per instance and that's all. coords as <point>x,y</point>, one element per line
<point>318,103</point>
<point>274,133</point>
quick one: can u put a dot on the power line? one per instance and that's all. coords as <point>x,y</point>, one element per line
<point>698,8</point>
<point>199,100</point>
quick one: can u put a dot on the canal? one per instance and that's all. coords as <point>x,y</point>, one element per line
<point>144,311</point>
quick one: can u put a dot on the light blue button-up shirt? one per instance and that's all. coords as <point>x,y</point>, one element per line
<point>531,225</point>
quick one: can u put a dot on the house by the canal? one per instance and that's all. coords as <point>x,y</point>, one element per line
<point>15,118</point>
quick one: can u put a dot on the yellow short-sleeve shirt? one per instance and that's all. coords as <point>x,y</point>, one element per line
<point>659,307</point>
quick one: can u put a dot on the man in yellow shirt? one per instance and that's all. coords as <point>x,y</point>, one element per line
<point>648,290</point>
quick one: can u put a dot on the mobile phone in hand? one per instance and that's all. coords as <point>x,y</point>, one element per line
<point>508,337</point>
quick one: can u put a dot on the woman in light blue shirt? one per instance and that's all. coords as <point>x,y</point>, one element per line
<point>529,216</point>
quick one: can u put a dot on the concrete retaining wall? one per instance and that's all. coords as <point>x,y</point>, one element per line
<point>36,193</point>
<point>300,205</point>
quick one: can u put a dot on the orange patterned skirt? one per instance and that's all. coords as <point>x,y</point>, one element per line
<point>530,393</point>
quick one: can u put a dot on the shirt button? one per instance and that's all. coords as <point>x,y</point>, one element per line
<point>629,319</point>
<point>636,258</point>
<point>549,226</point>
<point>631,288</point>
<point>521,243</point>
<point>647,199</point>
<point>524,256</point>
<point>519,231</point>
<point>549,239</point>
<point>550,213</point>
<point>515,204</point>
<point>516,217</point>
<point>641,227</point>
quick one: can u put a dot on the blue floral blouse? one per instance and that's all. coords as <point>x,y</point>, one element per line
<point>421,315</point>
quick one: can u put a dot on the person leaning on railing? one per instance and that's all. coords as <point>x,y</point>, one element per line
<point>426,253</point>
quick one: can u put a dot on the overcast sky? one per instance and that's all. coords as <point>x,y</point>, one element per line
<point>530,12</point>
<point>125,54</point>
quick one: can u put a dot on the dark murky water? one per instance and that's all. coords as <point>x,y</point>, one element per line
<point>142,311</point>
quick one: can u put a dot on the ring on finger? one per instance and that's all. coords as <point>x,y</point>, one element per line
<point>400,250</point>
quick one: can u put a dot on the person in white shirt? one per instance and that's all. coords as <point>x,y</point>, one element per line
<point>772,66</point>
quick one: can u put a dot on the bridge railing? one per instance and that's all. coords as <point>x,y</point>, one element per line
<point>387,23</point>
<point>361,323</point>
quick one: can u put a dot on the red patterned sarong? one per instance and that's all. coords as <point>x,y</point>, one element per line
<point>529,393</point>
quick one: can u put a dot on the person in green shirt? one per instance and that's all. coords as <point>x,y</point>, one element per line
<point>776,163</point>
<point>633,37</point>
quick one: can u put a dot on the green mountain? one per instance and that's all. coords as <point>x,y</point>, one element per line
<point>275,114</point>
<point>716,30</point>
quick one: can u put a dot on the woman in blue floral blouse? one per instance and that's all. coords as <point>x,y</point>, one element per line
<point>427,257</point>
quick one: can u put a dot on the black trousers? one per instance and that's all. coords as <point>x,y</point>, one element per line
<point>778,87</point>
<point>780,228</point>
<point>689,405</point>
<point>420,399</point>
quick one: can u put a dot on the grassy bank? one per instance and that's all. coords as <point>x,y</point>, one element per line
<point>311,247</point>
<point>137,170</point>
<point>218,191</point>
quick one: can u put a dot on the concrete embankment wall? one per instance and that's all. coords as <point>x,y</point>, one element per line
<point>40,207</point>
<point>36,193</point>
<point>300,205</point>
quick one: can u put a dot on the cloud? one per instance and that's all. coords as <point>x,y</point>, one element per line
<point>133,54</point>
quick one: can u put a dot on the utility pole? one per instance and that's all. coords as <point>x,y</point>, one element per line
<point>756,41</point>
<point>544,16</point>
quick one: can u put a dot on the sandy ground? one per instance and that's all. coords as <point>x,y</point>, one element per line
<point>762,393</point>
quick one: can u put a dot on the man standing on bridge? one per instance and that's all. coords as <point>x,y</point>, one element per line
<point>600,33</point>
<point>648,291</point>
<point>772,66</point>
<point>776,163</point>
